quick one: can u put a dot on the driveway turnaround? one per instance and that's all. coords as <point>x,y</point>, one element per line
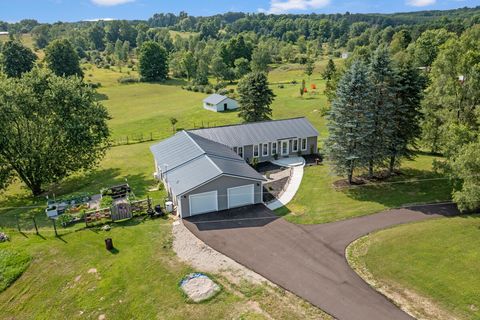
<point>308,260</point>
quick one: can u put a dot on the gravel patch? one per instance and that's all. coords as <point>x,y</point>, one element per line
<point>203,258</point>
<point>199,287</point>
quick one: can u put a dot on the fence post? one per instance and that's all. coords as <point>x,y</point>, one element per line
<point>127,139</point>
<point>35,224</point>
<point>18,224</point>
<point>151,136</point>
<point>55,227</point>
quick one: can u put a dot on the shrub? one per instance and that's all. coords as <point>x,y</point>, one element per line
<point>281,86</point>
<point>128,79</point>
<point>219,85</point>
<point>195,89</point>
<point>208,90</point>
<point>106,202</point>
<point>222,91</point>
<point>64,219</point>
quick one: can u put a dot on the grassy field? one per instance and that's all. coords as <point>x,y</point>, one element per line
<point>317,201</point>
<point>436,259</point>
<point>74,277</point>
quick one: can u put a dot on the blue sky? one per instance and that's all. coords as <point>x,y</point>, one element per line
<point>75,10</point>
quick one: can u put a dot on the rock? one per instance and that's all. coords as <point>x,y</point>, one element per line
<point>199,287</point>
<point>102,317</point>
<point>92,270</point>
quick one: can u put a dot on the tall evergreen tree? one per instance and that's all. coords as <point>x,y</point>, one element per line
<point>329,71</point>
<point>406,116</point>
<point>383,79</point>
<point>255,97</point>
<point>350,126</point>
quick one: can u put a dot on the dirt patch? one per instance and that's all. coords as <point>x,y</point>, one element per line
<point>413,303</point>
<point>203,258</point>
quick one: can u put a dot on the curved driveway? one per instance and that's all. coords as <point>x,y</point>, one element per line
<point>308,260</point>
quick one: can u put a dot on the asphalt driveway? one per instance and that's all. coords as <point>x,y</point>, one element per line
<point>308,260</point>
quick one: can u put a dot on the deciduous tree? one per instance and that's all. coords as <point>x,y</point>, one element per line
<point>16,59</point>
<point>50,127</point>
<point>62,58</point>
<point>153,64</point>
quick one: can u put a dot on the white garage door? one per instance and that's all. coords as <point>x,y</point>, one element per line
<point>203,202</point>
<point>240,196</point>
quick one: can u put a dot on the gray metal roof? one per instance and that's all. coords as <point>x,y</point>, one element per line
<point>189,160</point>
<point>215,98</point>
<point>258,132</point>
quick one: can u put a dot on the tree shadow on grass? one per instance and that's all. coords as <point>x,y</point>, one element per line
<point>100,96</point>
<point>412,186</point>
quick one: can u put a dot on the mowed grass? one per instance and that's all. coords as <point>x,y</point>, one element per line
<point>12,265</point>
<point>75,277</point>
<point>318,201</point>
<point>438,259</point>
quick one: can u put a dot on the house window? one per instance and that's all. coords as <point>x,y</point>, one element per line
<point>265,150</point>
<point>255,150</point>
<point>295,145</point>
<point>274,148</point>
<point>304,144</point>
<point>240,151</point>
<point>235,149</point>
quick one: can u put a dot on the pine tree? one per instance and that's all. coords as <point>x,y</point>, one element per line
<point>383,79</point>
<point>329,71</point>
<point>405,120</point>
<point>255,97</point>
<point>309,67</point>
<point>350,126</point>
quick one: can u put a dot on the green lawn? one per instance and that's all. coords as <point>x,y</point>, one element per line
<point>317,201</point>
<point>138,281</point>
<point>437,259</point>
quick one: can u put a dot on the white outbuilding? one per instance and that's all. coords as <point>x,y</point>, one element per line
<point>217,103</point>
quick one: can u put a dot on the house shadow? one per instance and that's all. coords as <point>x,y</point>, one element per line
<point>244,217</point>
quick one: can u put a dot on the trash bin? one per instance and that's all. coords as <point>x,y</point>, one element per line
<point>109,243</point>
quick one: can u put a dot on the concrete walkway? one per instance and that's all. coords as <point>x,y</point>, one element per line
<point>297,164</point>
<point>308,260</point>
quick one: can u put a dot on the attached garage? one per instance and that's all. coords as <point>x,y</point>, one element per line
<point>203,176</point>
<point>203,202</point>
<point>241,196</point>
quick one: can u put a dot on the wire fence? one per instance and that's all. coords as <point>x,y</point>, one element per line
<point>136,138</point>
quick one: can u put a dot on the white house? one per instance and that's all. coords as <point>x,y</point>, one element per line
<point>217,102</point>
<point>3,33</point>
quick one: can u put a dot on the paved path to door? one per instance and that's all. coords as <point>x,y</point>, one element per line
<point>297,164</point>
<point>308,260</point>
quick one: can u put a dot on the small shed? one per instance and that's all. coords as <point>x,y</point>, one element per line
<point>218,103</point>
<point>3,33</point>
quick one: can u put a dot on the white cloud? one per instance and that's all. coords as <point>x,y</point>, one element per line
<point>420,3</point>
<point>109,3</point>
<point>283,6</point>
<point>99,19</point>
